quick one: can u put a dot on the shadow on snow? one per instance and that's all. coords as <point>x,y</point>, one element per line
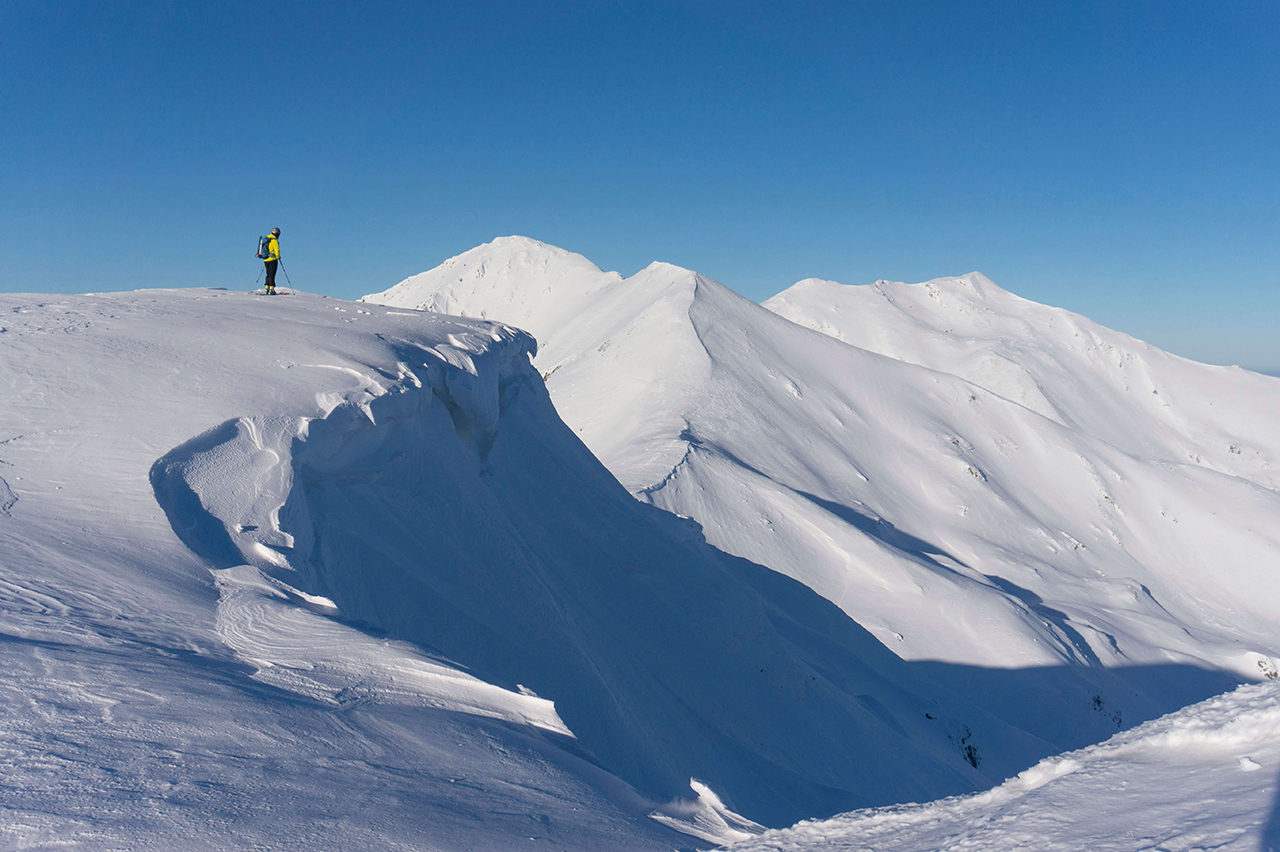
<point>513,552</point>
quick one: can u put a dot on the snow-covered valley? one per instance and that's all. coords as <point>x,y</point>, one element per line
<point>303,573</point>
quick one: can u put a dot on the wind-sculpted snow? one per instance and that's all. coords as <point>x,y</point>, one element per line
<point>306,574</point>
<point>296,644</point>
<point>450,508</point>
<point>1007,487</point>
<point>149,704</point>
<point>1202,778</point>
<point>625,372</point>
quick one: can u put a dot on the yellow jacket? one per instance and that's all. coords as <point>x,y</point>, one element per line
<point>273,250</point>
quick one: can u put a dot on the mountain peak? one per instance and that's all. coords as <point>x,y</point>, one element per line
<point>517,244</point>
<point>522,252</point>
<point>973,284</point>
<point>522,242</point>
<point>664,266</point>
<point>515,266</point>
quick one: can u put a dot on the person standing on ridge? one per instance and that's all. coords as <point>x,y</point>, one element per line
<point>272,260</point>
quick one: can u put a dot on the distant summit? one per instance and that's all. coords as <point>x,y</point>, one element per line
<point>582,318</point>
<point>1059,364</point>
<point>524,271</point>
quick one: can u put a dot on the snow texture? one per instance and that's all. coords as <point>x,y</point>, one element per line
<point>309,574</point>
<point>164,690</point>
<point>1185,782</point>
<point>1070,527</point>
<point>295,573</point>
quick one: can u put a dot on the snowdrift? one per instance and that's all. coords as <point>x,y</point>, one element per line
<point>449,507</point>
<point>150,704</point>
<point>1073,529</point>
<point>1201,778</point>
<point>308,574</point>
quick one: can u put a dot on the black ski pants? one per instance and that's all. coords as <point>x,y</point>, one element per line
<point>271,273</point>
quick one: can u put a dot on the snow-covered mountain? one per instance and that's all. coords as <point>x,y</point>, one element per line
<point>1073,528</point>
<point>302,573</point>
<point>1146,402</point>
<point>159,696</point>
<point>298,573</point>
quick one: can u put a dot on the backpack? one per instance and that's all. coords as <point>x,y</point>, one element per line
<point>263,247</point>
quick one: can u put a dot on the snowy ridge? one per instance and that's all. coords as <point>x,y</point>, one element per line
<point>149,704</point>
<point>1185,781</point>
<point>1036,523</point>
<point>301,573</point>
<point>533,275</point>
<point>336,505</point>
<point>1060,365</point>
<point>348,561</point>
<point>626,370</point>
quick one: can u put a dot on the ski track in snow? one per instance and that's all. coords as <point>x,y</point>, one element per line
<point>7,498</point>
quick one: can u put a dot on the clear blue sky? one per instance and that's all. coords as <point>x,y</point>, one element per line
<point>1118,159</point>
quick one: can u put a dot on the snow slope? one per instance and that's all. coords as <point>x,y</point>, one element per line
<point>151,704</point>
<point>1032,526</point>
<point>1202,778</point>
<point>619,357</point>
<point>1135,397</point>
<point>301,573</point>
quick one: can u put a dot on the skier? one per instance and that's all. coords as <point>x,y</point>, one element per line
<point>272,260</point>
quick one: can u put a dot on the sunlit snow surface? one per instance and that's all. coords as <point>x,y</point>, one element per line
<point>147,702</point>
<point>1071,528</point>
<point>1008,486</point>
<point>300,573</point>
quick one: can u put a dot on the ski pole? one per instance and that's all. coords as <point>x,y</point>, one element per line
<point>260,271</point>
<point>286,273</point>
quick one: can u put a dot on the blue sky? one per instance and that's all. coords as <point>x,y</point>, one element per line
<point>1117,159</point>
